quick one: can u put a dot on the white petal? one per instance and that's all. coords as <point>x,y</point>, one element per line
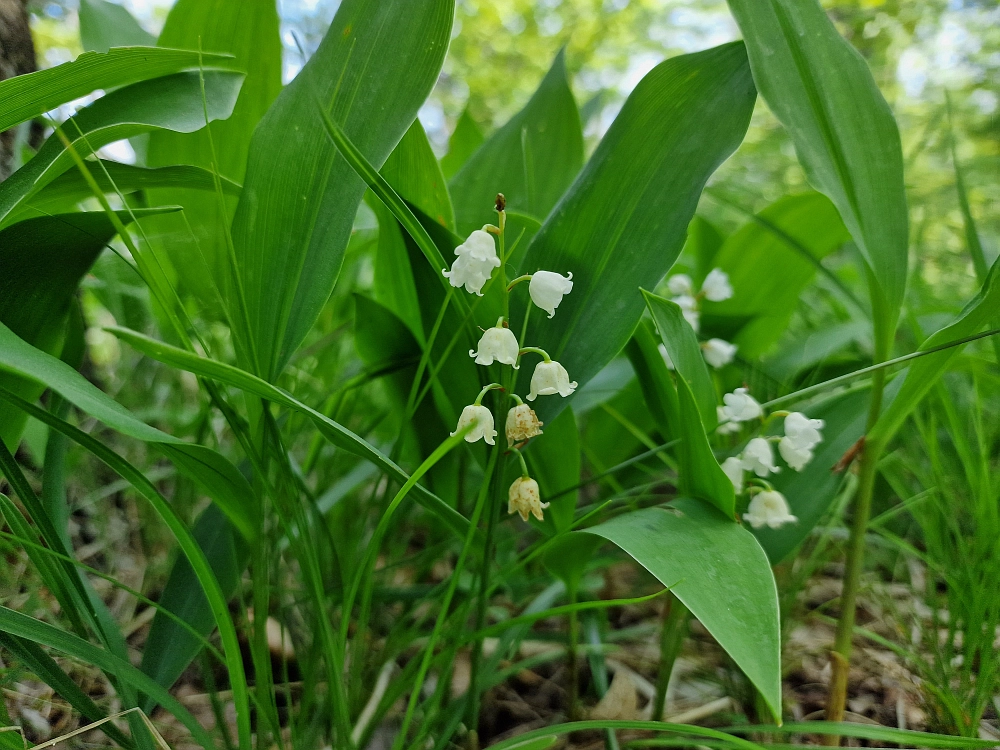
<point>547,289</point>
<point>733,468</point>
<point>718,353</point>
<point>680,284</point>
<point>716,286</point>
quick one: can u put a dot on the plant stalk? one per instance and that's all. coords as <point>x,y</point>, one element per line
<point>840,658</point>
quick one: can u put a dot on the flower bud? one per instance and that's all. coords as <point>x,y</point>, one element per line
<point>718,353</point>
<point>758,457</point>
<point>522,424</point>
<point>733,469</point>
<point>741,406</point>
<point>498,344</point>
<point>716,287</point>
<point>769,508</point>
<point>548,379</point>
<point>481,420</point>
<point>477,257</point>
<point>524,499</point>
<point>547,289</point>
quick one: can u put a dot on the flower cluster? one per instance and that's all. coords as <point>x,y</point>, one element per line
<point>767,506</point>
<point>476,259</point>
<point>716,288</point>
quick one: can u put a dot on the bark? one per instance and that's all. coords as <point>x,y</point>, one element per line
<point>17,57</point>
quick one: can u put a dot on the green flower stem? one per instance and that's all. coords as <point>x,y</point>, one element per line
<point>492,508</point>
<point>518,280</point>
<point>536,350</point>
<point>524,466</point>
<point>486,389</point>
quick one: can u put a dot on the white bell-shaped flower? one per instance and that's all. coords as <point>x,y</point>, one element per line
<point>733,469</point>
<point>769,508</point>
<point>522,424</point>
<point>524,499</point>
<point>793,454</point>
<point>548,379</point>
<point>740,406</point>
<point>718,353</point>
<point>477,257</point>
<point>802,432</point>
<point>758,457</point>
<point>547,289</point>
<point>680,283</point>
<point>497,343</point>
<point>725,427</point>
<point>481,420</point>
<point>716,287</point>
<point>689,309</point>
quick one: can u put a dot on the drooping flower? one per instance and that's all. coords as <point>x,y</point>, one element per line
<point>718,353</point>
<point>548,379</point>
<point>522,424</point>
<point>689,309</point>
<point>481,420</point>
<point>680,283</point>
<point>547,289</point>
<point>769,508</point>
<point>726,427</point>
<point>758,457</point>
<point>524,499</point>
<point>803,432</point>
<point>716,287</point>
<point>497,343</point>
<point>477,257</point>
<point>794,455</point>
<point>733,469</point>
<point>740,406</point>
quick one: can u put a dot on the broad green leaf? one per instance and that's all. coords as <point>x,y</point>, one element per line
<point>104,25</point>
<point>248,30</point>
<point>925,371</point>
<point>172,103</point>
<point>414,173</point>
<point>822,91</point>
<point>70,188</point>
<point>43,261</point>
<point>554,460</point>
<point>375,67</point>
<point>169,647</point>
<point>720,573</point>
<point>25,97</point>
<point>531,160</point>
<point>700,473</point>
<point>331,430</point>
<point>28,628</point>
<point>704,240</point>
<point>464,141</point>
<point>770,261</point>
<point>213,473</point>
<point>651,371</point>
<point>623,222</point>
<point>682,346</point>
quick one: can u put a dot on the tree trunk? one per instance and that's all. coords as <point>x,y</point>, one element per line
<point>17,57</point>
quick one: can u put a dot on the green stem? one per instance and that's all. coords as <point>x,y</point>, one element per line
<point>675,622</point>
<point>841,656</point>
<point>536,350</point>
